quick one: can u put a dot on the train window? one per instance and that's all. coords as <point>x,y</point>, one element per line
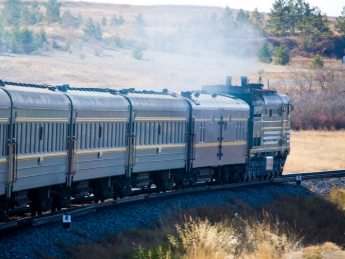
<point>270,112</point>
<point>100,131</point>
<point>229,118</point>
<point>159,129</point>
<point>41,133</point>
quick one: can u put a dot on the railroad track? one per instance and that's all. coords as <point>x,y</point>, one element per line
<point>90,208</point>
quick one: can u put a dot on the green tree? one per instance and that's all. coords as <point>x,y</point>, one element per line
<point>53,11</point>
<point>35,15</point>
<point>282,55</point>
<point>67,46</point>
<point>277,23</point>
<point>340,25</point>
<point>140,19</point>
<point>69,21</point>
<point>27,40</point>
<point>137,51</point>
<point>257,20</point>
<point>92,31</point>
<point>265,53</point>
<point>98,31</point>
<point>242,16</point>
<point>11,12</point>
<point>116,21</point>
<point>315,32</point>
<point>25,15</point>
<point>104,21</point>
<point>41,37</point>
<point>116,41</point>
<point>227,15</point>
<point>317,62</point>
<point>15,39</point>
<point>80,19</point>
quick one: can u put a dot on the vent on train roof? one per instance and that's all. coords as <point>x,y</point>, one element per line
<point>132,91</point>
<point>4,83</point>
<point>65,88</point>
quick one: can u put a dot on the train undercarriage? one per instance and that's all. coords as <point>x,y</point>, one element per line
<point>53,198</point>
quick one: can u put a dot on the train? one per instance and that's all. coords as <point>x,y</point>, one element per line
<point>60,143</point>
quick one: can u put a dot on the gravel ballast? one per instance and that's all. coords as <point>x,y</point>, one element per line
<point>32,241</point>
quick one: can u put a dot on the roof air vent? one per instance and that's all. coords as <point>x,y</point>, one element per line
<point>187,94</point>
<point>214,95</point>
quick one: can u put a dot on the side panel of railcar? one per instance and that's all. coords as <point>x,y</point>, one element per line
<point>5,113</point>
<point>40,122</point>
<point>100,125</point>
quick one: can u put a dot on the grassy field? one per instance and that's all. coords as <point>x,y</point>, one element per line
<point>316,151</point>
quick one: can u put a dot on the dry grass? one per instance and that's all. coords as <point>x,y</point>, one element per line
<point>316,151</point>
<point>290,228</point>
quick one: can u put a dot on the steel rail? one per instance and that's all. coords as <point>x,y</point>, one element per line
<point>90,208</point>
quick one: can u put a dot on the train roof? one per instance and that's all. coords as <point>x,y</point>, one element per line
<point>35,96</point>
<point>201,101</point>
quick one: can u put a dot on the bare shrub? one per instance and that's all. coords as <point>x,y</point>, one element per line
<point>318,96</point>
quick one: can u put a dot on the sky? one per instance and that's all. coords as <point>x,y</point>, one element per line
<point>330,7</point>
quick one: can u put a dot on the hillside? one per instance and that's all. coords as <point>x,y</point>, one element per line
<point>96,64</point>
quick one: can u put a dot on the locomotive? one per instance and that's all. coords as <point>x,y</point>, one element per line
<point>60,143</point>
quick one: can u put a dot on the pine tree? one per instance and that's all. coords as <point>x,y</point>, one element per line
<point>257,20</point>
<point>69,21</point>
<point>137,51</point>
<point>41,37</point>
<point>340,25</point>
<point>116,21</point>
<point>67,46</point>
<point>104,21</point>
<point>92,30</point>
<point>25,15</point>
<point>242,16</point>
<point>89,29</point>
<point>282,55</point>
<point>315,32</point>
<point>15,39</point>
<point>316,63</point>
<point>265,53</point>
<point>140,19</point>
<point>116,41</point>
<point>11,12</point>
<point>52,11</point>
<point>98,32</point>
<point>277,23</point>
<point>27,40</point>
<point>80,19</point>
<point>120,20</point>
<point>35,15</point>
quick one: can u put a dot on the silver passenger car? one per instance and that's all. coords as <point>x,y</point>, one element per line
<point>37,138</point>
<point>159,125</point>
<point>99,132</point>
